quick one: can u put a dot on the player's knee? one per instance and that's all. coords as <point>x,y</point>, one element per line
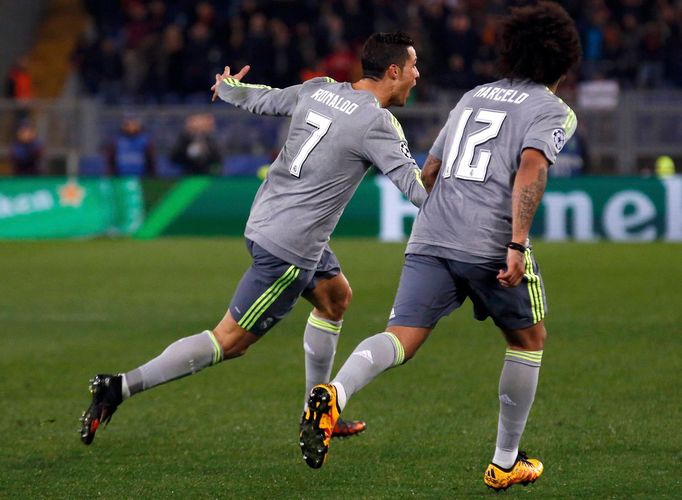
<point>338,303</point>
<point>529,339</point>
<point>232,343</point>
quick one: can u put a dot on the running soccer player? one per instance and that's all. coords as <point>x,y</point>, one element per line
<point>486,173</point>
<point>337,131</point>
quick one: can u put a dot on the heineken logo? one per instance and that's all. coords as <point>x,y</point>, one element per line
<point>70,194</point>
<point>26,203</point>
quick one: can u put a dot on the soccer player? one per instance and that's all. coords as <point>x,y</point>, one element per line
<point>486,174</point>
<point>337,131</point>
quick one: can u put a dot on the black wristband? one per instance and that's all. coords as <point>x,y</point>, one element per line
<point>516,246</point>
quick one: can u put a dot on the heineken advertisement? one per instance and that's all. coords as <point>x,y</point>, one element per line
<point>583,209</point>
<point>34,208</point>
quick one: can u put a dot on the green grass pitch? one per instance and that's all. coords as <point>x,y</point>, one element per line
<point>606,421</point>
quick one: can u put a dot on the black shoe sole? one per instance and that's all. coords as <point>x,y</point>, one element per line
<point>311,436</point>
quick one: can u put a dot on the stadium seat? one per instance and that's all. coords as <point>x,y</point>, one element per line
<point>93,165</point>
<point>166,168</point>
<point>244,165</point>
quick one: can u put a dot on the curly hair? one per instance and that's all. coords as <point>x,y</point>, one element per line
<point>539,42</point>
<point>383,49</point>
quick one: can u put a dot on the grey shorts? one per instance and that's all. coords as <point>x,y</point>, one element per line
<point>433,287</point>
<point>270,288</point>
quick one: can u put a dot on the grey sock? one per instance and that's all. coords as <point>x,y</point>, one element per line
<point>319,343</point>
<point>518,382</point>
<point>183,357</point>
<point>371,357</point>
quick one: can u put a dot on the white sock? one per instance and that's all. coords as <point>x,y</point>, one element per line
<point>341,398</point>
<point>125,391</point>
<point>504,458</point>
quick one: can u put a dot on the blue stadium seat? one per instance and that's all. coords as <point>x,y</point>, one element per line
<point>244,165</point>
<point>166,168</point>
<point>94,165</point>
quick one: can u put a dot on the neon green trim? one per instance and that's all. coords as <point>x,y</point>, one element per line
<point>534,289</point>
<point>396,124</point>
<point>264,301</point>
<point>531,289</point>
<point>171,206</point>
<point>329,79</point>
<point>323,325</point>
<point>418,175</point>
<point>535,356</point>
<point>236,83</point>
<point>399,349</point>
<point>218,352</point>
<point>570,122</point>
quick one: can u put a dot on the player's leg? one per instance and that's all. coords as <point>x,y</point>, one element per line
<point>517,387</point>
<point>427,291</point>
<point>330,294</point>
<point>519,313</point>
<point>330,297</point>
<point>425,294</point>
<point>266,293</point>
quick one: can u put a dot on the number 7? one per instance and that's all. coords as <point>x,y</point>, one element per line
<point>321,124</point>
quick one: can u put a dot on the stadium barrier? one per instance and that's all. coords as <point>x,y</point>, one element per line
<point>581,209</point>
<point>59,207</point>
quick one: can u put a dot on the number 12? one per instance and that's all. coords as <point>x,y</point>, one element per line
<point>465,169</point>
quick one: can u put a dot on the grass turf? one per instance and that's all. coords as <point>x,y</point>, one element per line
<point>605,422</point>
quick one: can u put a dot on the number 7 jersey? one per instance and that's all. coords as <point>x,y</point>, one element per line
<point>336,134</point>
<point>467,216</point>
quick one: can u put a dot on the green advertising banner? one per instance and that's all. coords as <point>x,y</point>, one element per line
<point>583,209</point>
<point>35,208</point>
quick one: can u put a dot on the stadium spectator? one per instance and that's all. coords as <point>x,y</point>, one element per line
<point>19,84</point>
<point>131,152</point>
<point>196,150</point>
<point>341,64</point>
<point>26,151</point>
<point>470,238</point>
<point>634,42</point>
<point>292,217</point>
<point>19,87</point>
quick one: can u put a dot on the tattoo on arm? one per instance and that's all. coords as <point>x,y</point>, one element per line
<point>528,199</point>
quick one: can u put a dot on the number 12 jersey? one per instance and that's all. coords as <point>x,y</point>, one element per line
<point>467,216</point>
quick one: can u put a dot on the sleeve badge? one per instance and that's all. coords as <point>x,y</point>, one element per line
<point>405,150</point>
<point>559,137</point>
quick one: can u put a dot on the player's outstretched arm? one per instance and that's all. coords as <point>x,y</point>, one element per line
<point>529,186</point>
<point>259,99</point>
<point>226,74</point>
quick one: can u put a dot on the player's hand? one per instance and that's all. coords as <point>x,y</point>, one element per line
<point>226,74</point>
<point>513,275</point>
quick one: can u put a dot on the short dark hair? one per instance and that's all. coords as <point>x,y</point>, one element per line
<point>539,42</point>
<point>383,49</point>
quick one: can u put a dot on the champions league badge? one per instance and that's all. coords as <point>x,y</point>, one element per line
<point>559,139</point>
<point>405,150</point>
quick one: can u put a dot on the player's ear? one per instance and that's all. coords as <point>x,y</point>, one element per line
<point>393,71</point>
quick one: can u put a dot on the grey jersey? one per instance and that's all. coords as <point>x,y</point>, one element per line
<point>468,215</point>
<point>336,134</point>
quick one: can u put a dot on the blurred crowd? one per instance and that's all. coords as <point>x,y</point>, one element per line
<point>148,51</point>
<point>137,52</point>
